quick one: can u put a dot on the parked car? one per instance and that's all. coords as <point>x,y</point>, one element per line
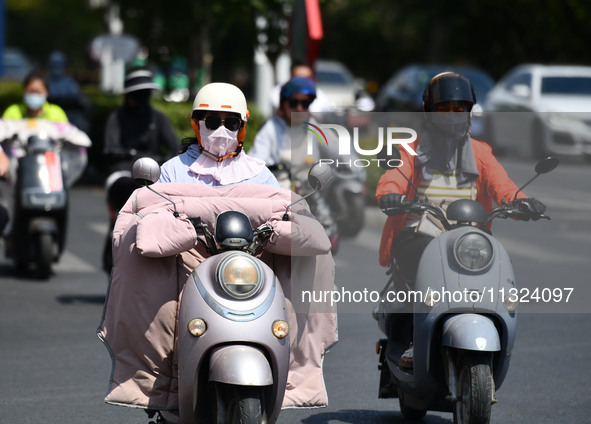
<point>541,109</point>
<point>340,86</point>
<point>404,90</point>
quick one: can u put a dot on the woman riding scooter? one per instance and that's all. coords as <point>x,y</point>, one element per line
<point>34,105</point>
<point>449,165</point>
<point>144,344</point>
<point>215,156</point>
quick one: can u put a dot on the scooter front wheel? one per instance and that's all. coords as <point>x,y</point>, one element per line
<point>475,390</point>
<point>410,413</point>
<point>243,404</point>
<point>44,255</point>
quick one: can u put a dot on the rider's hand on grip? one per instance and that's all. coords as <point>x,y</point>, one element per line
<point>196,222</point>
<point>264,228</point>
<point>392,200</point>
<point>393,203</point>
<point>533,208</point>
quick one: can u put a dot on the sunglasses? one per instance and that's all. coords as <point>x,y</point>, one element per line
<point>213,122</point>
<point>293,103</point>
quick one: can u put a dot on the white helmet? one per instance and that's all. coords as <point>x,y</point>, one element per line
<point>223,97</point>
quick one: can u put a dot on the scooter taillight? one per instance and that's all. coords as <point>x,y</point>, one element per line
<point>113,213</point>
<point>53,180</point>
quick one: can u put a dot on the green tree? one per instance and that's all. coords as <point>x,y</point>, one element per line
<point>383,36</point>
<point>218,38</point>
<point>39,27</point>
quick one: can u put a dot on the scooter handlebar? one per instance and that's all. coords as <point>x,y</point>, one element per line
<point>504,211</point>
<point>419,207</point>
<point>512,210</point>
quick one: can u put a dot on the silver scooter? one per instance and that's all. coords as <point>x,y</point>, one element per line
<point>459,313</point>
<point>233,345</point>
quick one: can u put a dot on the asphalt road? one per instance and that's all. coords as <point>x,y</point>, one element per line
<point>54,369</point>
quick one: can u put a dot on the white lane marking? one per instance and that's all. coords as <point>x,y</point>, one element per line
<point>72,263</point>
<point>99,228</point>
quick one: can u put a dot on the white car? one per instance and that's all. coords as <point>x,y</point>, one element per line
<point>342,89</point>
<point>541,109</point>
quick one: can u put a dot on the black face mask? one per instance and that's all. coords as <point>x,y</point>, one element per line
<point>140,98</point>
<point>452,124</point>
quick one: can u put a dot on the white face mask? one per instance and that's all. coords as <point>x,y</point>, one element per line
<point>34,101</point>
<point>218,142</point>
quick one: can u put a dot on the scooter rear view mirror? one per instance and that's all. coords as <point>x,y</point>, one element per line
<point>546,165</point>
<point>146,171</point>
<point>542,167</point>
<point>319,176</point>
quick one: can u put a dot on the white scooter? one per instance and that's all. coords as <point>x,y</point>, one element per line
<point>460,313</point>
<point>233,352</point>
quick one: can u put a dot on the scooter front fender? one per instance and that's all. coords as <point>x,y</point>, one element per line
<point>471,332</point>
<point>43,225</point>
<point>241,365</point>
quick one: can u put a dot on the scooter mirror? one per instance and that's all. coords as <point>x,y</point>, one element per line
<point>320,176</point>
<point>387,161</point>
<point>542,167</point>
<point>546,165</point>
<point>145,171</point>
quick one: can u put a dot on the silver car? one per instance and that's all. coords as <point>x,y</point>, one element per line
<point>540,109</point>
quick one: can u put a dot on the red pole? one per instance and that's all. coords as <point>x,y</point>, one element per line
<point>315,32</point>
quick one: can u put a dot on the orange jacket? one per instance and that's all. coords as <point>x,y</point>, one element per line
<point>493,184</point>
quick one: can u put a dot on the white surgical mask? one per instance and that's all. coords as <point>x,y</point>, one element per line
<point>218,142</point>
<point>34,101</point>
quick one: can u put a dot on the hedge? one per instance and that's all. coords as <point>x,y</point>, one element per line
<point>103,104</point>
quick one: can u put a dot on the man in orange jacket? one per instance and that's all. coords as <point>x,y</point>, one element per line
<point>449,165</point>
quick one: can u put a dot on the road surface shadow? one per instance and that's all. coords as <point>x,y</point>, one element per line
<point>81,298</point>
<point>369,417</point>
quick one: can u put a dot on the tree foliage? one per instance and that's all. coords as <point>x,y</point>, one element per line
<point>495,35</point>
<point>218,37</point>
<point>374,39</point>
<point>39,27</point>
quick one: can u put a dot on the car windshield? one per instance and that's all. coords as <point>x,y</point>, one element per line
<point>481,82</point>
<point>574,86</point>
<point>332,77</point>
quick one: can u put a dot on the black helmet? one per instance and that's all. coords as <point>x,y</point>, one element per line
<point>233,230</point>
<point>448,87</point>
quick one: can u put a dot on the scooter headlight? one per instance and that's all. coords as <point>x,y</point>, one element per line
<point>473,251</point>
<point>510,302</point>
<point>239,276</point>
